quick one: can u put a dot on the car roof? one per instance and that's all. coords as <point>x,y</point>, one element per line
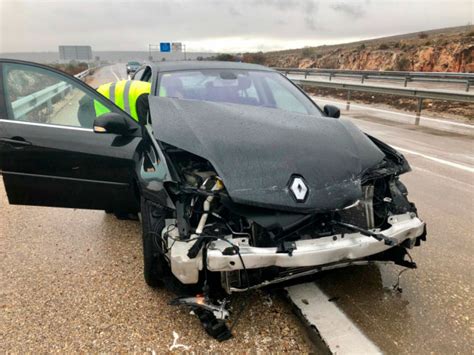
<point>200,65</point>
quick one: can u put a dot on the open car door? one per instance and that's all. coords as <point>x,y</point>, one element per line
<point>49,153</point>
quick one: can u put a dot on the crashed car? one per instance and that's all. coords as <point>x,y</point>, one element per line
<point>241,180</point>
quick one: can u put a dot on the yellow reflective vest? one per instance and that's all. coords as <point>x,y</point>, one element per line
<point>124,94</point>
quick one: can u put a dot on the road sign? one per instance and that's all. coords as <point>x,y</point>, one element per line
<point>165,47</point>
<point>75,52</point>
<point>177,46</point>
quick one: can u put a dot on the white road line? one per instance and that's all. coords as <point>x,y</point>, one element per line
<point>455,183</point>
<point>438,160</point>
<point>116,76</point>
<point>335,328</point>
<point>411,116</point>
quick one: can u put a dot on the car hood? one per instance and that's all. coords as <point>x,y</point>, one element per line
<point>257,151</point>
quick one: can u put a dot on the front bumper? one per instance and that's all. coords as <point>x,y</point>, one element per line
<point>314,252</point>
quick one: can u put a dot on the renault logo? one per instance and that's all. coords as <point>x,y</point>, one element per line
<point>298,188</point>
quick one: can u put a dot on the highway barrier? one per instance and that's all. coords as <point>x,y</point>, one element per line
<point>406,76</point>
<point>26,104</point>
<point>419,94</point>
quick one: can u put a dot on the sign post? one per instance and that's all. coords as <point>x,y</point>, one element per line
<point>167,47</point>
<point>77,53</point>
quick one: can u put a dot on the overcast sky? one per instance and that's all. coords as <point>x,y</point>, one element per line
<point>211,25</point>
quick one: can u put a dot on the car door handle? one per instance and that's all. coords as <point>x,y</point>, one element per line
<point>15,141</point>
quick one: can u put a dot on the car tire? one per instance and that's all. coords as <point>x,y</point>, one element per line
<point>155,266</point>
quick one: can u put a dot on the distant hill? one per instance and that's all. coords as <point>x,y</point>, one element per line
<point>447,49</point>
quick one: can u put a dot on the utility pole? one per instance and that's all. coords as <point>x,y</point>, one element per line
<point>184,51</point>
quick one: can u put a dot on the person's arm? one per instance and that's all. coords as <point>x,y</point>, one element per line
<point>142,108</point>
<point>86,112</point>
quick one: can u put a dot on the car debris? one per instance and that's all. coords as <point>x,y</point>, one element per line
<point>176,345</point>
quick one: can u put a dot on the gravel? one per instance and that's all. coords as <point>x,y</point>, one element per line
<point>72,281</point>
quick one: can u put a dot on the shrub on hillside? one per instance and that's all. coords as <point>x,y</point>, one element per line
<point>225,57</point>
<point>383,46</point>
<point>255,58</point>
<point>307,52</point>
<point>71,68</point>
<point>402,64</point>
<point>422,35</point>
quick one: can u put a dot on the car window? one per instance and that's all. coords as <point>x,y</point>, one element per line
<point>283,98</point>
<point>245,87</point>
<point>38,95</point>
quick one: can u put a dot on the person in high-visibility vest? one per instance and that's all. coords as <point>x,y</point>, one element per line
<point>130,95</point>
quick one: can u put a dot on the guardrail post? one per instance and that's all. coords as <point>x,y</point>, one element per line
<point>330,76</point>
<point>362,79</point>
<point>468,84</point>
<point>405,83</point>
<point>348,105</point>
<point>49,105</point>
<point>306,74</point>
<point>418,111</point>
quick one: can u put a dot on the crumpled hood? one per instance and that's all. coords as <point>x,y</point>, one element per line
<point>257,150</point>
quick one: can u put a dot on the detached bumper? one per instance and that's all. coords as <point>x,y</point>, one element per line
<point>314,252</point>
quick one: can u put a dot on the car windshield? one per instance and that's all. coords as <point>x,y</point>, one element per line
<point>133,63</point>
<point>245,87</point>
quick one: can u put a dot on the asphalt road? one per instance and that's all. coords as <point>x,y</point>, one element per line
<point>71,279</point>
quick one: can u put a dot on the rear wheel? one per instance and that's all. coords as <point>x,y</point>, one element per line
<point>155,266</point>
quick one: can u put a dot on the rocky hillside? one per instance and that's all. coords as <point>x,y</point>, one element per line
<point>449,49</point>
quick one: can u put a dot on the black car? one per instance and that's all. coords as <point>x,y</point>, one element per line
<point>241,179</point>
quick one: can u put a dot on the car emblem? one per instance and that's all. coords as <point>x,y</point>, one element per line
<point>299,188</point>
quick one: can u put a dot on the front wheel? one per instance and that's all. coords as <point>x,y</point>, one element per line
<point>155,265</point>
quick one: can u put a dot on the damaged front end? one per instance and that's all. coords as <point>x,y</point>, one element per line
<point>262,196</point>
<point>249,247</point>
<point>258,196</point>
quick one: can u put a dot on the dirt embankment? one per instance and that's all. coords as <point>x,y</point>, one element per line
<point>450,50</point>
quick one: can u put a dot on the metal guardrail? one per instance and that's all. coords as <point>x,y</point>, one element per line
<point>406,76</point>
<point>26,104</point>
<point>419,94</point>
<point>84,73</point>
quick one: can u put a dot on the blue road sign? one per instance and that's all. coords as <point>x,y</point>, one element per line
<point>165,47</point>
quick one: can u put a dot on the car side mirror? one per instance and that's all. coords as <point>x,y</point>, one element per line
<point>114,123</point>
<point>332,111</point>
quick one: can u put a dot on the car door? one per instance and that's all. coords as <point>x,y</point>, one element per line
<point>143,74</point>
<point>49,153</point>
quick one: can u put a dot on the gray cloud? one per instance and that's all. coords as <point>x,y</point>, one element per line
<point>311,12</point>
<point>212,25</point>
<point>350,9</point>
<point>234,12</point>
